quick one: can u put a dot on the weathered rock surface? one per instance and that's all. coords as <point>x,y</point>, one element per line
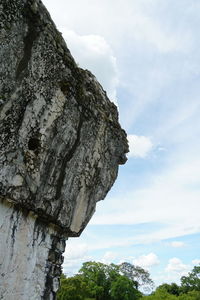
<point>31,256</point>
<point>60,148</point>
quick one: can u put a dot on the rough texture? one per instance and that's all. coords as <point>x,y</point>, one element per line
<point>61,142</point>
<point>32,256</point>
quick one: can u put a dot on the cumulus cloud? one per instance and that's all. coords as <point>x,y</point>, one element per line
<point>196,262</point>
<point>108,257</point>
<point>139,146</point>
<point>147,261</point>
<point>140,18</point>
<point>175,265</point>
<point>177,244</point>
<point>75,254</point>
<point>92,52</point>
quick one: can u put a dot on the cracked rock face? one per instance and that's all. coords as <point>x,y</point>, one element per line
<point>60,139</point>
<point>61,142</point>
<point>31,256</point>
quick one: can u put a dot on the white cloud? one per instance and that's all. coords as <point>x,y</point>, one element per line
<point>75,251</point>
<point>147,261</point>
<point>139,146</point>
<point>92,52</point>
<point>177,244</point>
<point>75,254</point>
<point>146,238</point>
<point>109,257</point>
<point>169,198</point>
<point>196,262</point>
<point>150,31</point>
<point>153,50</point>
<point>143,21</point>
<point>175,265</point>
<point>166,277</point>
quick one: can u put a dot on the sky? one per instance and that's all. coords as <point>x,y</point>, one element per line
<point>145,54</point>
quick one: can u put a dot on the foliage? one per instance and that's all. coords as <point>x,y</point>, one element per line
<point>188,290</point>
<point>96,276</point>
<point>192,281</point>
<point>72,288</point>
<point>160,294</point>
<point>98,281</point>
<point>193,295</point>
<point>105,280</point>
<point>124,289</point>
<point>172,288</point>
<point>138,275</point>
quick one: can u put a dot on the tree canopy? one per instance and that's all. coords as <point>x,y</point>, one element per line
<point>192,281</point>
<point>189,288</point>
<point>98,281</point>
<point>106,282</point>
<point>137,274</point>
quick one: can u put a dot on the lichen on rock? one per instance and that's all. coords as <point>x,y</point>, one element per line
<point>61,142</point>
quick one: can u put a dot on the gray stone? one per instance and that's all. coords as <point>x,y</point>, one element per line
<point>27,269</point>
<point>60,146</point>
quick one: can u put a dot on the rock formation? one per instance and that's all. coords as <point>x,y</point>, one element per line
<point>60,148</point>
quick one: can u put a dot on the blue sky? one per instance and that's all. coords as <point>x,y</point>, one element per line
<point>146,55</point>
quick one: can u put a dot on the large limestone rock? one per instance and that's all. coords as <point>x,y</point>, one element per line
<point>60,148</point>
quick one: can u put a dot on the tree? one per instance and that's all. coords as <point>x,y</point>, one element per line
<point>160,294</point>
<point>193,295</point>
<point>97,277</point>
<point>73,288</point>
<point>98,281</point>
<point>192,281</point>
<point>106,282</point>
<point>124,289</point>
<point>138,275</point>
<point>171,288</point>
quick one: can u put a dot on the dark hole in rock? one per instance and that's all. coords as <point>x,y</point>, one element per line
<point>33,144</point>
